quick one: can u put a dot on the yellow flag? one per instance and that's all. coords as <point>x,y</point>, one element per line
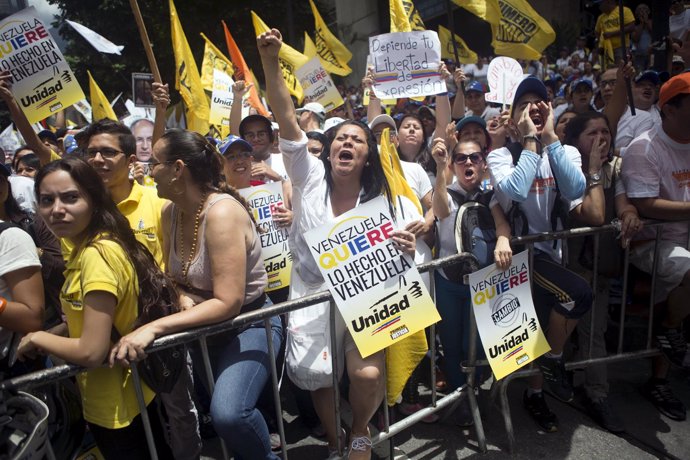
<point>521,32</point>
<point>465,54</point>
<point>99,103</point>
<point>487,10</point>
<point>187,80</point>
<point>333,55</point>
<point>213,59</point>
<point>290,60</point>
<point>309,46</point>
<point>404,16</point>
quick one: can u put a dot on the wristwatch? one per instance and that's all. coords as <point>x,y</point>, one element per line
<point>594,179</point>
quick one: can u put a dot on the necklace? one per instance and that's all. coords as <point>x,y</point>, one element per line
<point>192,250</point>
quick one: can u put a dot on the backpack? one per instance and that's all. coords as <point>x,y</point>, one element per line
<point>475,232</point>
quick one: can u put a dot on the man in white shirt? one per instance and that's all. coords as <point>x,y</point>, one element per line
<point>645,94</point>
<point>656,174</point>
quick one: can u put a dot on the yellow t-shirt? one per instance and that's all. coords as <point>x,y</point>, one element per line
<point>143,208</point>
<point>608,23</point>
<point>108,396</point>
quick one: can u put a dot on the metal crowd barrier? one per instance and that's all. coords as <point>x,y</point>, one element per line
<point>450,401</point>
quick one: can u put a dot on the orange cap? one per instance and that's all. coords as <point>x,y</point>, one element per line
<point>680,84</point>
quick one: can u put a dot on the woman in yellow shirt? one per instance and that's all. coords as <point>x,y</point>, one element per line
<point>108,274</point>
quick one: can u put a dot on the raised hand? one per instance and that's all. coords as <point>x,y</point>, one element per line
<point>269,43</point>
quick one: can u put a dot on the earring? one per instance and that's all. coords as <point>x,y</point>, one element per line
<point>366,164</point>
<point>175,190</point>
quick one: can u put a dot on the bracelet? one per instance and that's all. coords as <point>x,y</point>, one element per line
<point>3,304</point>
<point>531,138</point>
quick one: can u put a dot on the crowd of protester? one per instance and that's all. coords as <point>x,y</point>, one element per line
<point>113,219</point>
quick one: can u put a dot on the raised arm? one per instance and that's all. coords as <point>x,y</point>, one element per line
<point>269,44</point>
<point>439,200</point>
<point>616,106</point>
<point>442,106</point>
<point>374,107</point>
<point>161,98</point>
<point>22,123</point>
<point>239,89</point>
<point>459,103</point>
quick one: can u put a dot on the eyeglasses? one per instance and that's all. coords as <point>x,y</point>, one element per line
<point>106,152</point>
<point>607,83</point>
<point>249,135</point>
<point>475,158</point>
<point>234,157</point>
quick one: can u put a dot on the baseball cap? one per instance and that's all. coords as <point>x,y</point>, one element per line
<point>678,60</point>
<point>471,119</point>
<point>47,134</point>
<point>648,75</point>
<point>530,84</point>
<point>331,122</point>
<point>474,86</point>
<point>581,81</point>
<point>231,140</point>
<point>383,119</point>
<point>70,144</point>
<point>314,107</point>
<point>680,84</point>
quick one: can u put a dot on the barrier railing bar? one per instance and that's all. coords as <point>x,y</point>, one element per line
<point>432,338</point>
<point>335,374</point>
<point>276,388</point>
<point>143,412</point>
<point>595,273</point>
<point>211,384</point>
<point>624,300</point>
<point>653,287</point>
<point>471,376</point>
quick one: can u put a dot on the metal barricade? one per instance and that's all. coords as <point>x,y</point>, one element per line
<point>47,376</point>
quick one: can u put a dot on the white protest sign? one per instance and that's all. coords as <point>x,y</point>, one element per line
<point>406,64</point>
<point>42,81</point>
<point>504,75</point>
<point>263,199</point>
<point>318,85</point>
<point>221,99</point>
<point>377,289</point>
<point>506,320</point>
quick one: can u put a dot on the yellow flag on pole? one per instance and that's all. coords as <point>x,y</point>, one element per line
<point>309,46</point>
<point>487,10</point>
<point>99,103</point>
<point>187,79</point>
<point>290,60</point>
<point>465,54</point>
<point>404,16</point>
<point>333,55</point>
<point>521,32</point>
<point>213,59</point>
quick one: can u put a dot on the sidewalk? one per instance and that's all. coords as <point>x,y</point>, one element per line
<point>649,434</point>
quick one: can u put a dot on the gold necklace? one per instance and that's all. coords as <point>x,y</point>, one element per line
<point>192,251</point>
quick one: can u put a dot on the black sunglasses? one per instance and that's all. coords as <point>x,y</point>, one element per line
<point>460,158</point>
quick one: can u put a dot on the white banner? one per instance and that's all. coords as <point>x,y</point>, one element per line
<point>99,42</point>
<point>221,99</point>
<point>504,75</point>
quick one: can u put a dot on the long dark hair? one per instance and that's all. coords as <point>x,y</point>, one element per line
<point>13,211</point>
<point>373,178</point>
<point>203,160</point>
<point>107,222</point>
<point>423,156</point>
<point>577,126</point>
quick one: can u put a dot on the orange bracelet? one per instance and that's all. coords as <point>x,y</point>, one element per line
<point>3,304</point>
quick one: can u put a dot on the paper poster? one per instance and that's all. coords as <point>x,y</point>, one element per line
<point>506,320</point>
<point>377,289</point>
<point>221,99</point>
<point>274,240</point>
<point>406,64</point>
<point>142,84</point>
<point>504,76</point>
<point>43,82</point>
<point>318,85</point>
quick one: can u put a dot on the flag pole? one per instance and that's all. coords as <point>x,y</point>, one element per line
<point>628,85</point>
<point>451,27</point>
<point>145,40</point>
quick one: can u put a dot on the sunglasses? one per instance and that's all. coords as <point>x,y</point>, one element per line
<point>475,158</point>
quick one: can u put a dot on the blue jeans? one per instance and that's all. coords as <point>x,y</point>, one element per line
<point>453,303</point>
<point>241,369</point>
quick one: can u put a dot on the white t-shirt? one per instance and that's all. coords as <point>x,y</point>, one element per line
<point>417,178</point>
<point>542,195</point>
<point>679,24</point>
<point>630,127</point>
<point>23,192</point>
<point>487,114</point>
<point>475,73</point>
<point>275,162</point>
<point>656,166</point>
<point>17,251</point>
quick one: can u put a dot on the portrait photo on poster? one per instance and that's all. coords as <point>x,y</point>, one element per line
<point>141,89</point>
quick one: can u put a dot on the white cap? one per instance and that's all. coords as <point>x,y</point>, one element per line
<point>315,108</point>
<point>331,122</point>
<point>383,119</point>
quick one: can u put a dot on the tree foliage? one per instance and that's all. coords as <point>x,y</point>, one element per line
<point>115,21</point>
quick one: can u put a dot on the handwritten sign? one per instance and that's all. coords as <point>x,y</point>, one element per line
<point>377,289</point>
<point>406,64</point>
<point>221,99</point>
<point>43,82</point>
<point>504,76</point>
<point>263,200</point>
<point>506,320</point>
<point>318,85</point>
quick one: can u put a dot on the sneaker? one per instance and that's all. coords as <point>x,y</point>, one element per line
<point>360,448</point>
<point>537,408</point>
<point>601,412</point>
<point>672,344</point>
<point>411,408</point>
<point>658,391</point>
<point>556,377</point>
<point>333,451</point>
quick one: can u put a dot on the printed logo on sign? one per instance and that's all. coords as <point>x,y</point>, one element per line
<point>399,332</point>
<point>522,358</point>
<point>45,94</point>
<point>505,311</point>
